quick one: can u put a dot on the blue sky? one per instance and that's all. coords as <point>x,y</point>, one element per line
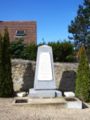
<point>52,16</point>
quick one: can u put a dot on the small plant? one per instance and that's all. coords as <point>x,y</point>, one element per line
<point>83,77</point>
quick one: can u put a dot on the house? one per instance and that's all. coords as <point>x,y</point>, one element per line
<point>26,30</point>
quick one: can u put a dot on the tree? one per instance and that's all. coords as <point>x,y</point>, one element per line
<point>1,67</point>
<point>83,77</point>
<point>80,26</point>
<point>6,84</point>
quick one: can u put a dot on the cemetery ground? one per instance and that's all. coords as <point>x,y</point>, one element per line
<point>8,111</point>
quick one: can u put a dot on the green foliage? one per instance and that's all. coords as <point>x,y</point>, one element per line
<point>20,50</point>
<point>70,58</point>
<point>62,52</point>
<point>6,84</point>
<point>30,52</point>
<point>83,77</point>
<point>1,66</point>
<point>80,26</point>
<point>16,48</point>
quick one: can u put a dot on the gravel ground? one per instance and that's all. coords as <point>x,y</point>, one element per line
<point>11,112</point>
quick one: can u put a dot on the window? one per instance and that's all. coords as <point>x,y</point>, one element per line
<point>20,33</point>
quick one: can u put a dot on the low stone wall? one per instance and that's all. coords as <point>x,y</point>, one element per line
<point>23,72</point>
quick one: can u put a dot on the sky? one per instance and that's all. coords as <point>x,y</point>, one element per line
<point>52,16</point>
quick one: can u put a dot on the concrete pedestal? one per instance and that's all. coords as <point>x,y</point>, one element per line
<point>44,93</point>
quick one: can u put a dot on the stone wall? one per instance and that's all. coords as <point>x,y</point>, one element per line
<point>23,75</point>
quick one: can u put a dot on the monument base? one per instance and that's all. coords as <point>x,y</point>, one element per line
<point>44,93</point>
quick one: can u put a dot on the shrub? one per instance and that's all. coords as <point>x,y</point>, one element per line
<point>16,48</point>
<point>62,52</point>
<point>6,84</point>
<point>30,52</point>
<point>20,50</point>
<point>70,58</point>
<point>83,77</point>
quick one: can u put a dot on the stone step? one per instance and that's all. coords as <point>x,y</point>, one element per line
<point>59,102</point>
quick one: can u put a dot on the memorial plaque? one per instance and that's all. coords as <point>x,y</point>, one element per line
<point>44,70</point>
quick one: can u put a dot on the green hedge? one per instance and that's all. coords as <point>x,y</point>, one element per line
<point>62,52</point>
<point>30,52</point>
<point>16,48</point>
<point>83,77</point>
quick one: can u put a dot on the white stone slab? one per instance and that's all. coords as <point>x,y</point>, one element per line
<point>69,94</point>
<point>74,104</point>
<point>21,94</point>
<point>45,69</point>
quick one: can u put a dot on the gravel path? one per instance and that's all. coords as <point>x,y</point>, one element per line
<point>10,112</point>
